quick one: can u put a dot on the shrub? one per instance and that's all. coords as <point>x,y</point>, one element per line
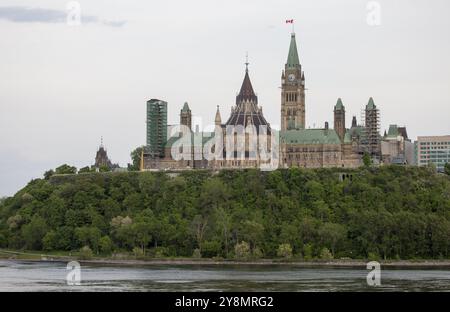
<point>196,254</point>
<point>284,251</point>
<point>242,251</point>
<point>308,252</point>
<point>325,254</point>
<point>86,253</point>
<point>211,249</point>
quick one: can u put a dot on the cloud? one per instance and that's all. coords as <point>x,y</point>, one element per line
<point>18,14</point>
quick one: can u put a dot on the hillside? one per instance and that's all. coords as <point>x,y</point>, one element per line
<point>388,212</point>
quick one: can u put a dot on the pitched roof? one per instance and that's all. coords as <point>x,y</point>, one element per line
<point>293,60</point>
<point>393,131</point>
<point>371,104</point>
<point>339,105</point>
<point>185,107</point>
<point>196,139</point>
<point>246,93</point>
<point>310,136</point>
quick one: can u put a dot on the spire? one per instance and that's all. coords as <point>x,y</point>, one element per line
<point>246,93</point>
<point>218,119</point>
<point>293,60</point>
<point>339,105</point>
<point>354,123</point>
<point>371,104</point>
<point>185,107</point>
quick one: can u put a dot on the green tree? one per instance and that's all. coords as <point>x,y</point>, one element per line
<point>34,232</point>
<point>367,160</point>
<point>48,174</point>
<point>284,251</point>
<point>86,169</point>
<point>242,251</point>
<point>66,169</point>
<point>331,234</point>
<point>88,236</point>
<point>447,169</point>
<point>106,245</point>
<point>136,159</point>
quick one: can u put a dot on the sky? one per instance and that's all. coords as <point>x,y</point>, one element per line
<point>63,86</point>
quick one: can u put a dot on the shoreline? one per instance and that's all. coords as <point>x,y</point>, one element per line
<point>255,263</point>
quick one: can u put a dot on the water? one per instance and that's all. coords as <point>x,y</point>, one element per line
<point>51,276</point>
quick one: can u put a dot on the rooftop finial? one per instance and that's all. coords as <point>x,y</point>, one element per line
<point>101,141</point>
<point>246,62</point>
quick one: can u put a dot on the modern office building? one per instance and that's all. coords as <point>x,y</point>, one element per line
<point>156,128</point>
<point>433,149</point>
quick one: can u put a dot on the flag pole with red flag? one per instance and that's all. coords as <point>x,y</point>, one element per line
<point>290,21</point>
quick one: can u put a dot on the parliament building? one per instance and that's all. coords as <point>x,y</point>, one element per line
<point>246,139</point>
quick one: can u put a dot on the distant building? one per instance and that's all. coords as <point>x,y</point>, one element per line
<point>233,143</point>
<point>186,116</point>
<point>371,132</point>
<point>102,160</point>
<point>186,150</point>
<point>433,149</point>
<point>156,128</point>
<point>396,147</point>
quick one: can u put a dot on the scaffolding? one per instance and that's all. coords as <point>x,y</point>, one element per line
<point>371,139</point>
<point>156,128</point>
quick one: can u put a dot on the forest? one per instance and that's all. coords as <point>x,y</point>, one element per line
<point>387,212</point>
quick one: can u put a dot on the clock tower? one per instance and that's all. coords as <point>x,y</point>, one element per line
<point>292,91</point>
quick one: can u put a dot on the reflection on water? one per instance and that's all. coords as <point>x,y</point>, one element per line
<point>51,276</point>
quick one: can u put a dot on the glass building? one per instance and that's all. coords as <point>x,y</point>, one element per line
<point>433,149</point>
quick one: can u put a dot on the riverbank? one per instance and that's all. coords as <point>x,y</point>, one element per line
<point>16,255</point>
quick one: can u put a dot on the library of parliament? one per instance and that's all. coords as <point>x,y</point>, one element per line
<point>231,144</point>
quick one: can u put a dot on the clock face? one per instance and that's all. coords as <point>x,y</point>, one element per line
<point>291,77</point>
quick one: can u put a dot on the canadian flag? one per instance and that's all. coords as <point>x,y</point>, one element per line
<point>291,21</point>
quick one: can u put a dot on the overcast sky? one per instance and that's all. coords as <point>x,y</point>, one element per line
<point>63,87</point>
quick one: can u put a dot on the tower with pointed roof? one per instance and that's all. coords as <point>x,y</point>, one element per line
<point>292,91</point>
<point>246,112</point>
<point>371,135</point>
<point>218,119</point>
<point>186,116</point>
<point>339,119</point>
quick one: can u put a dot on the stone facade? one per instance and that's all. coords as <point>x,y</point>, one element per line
<point>233,143</point>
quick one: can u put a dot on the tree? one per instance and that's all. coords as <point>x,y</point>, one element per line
<point>34,232</point>
<point>447,169</point>
<point>284,251</point>
<point>48,174</point>
<point>86,169</point>
<point>88,236</point>
<point>141,230</point>
<point>331,234</point>
<point>136,159</point>
<point>66,169</point>
<point>224,222</point>
<point>367,160</point>
<point>106,245</point>
<point>242,251</point>
<point>198,227</point>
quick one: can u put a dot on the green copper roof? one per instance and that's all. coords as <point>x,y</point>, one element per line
<point>371,104</point>
<point>200,137</point>
<point>293,60</point>
<point>185,107</point>
<point>310,136</point>
<point>356,131</point>
<point>347,137</point>
<point>393,131</point>
<point>339,105</point>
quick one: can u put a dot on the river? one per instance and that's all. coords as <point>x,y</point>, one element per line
<point>51,276</point>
